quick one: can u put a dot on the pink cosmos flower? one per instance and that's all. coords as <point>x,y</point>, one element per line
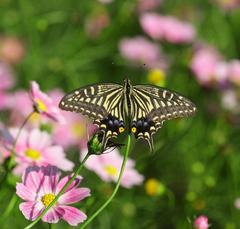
<point>234,71</point>
<point>167,28</point>
<point>44,104</point>
<point>35,148</point>
<point>201,222</point>
<point>208,66</point>
<point>140,50</point>
<point>107,167</point>
<point>39,187</point>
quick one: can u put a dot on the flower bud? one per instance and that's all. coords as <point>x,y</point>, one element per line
<point>95,144</point>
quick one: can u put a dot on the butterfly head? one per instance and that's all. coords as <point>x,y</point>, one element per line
<point>127,83</point>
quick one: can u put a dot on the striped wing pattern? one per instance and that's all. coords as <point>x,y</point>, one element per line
<point>154,105</point>
<point>95,101</point>
<point>100,102</point>
<point>107,105</point>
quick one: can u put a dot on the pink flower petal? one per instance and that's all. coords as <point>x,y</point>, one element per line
<point>53,215</point>
<point>54,155</point>
<point>50,179</point>
<point>31,210</point>
<point>64,180</point>
<point>130,178</point>
<point>51,111</point>
<point>73,216</point>
<point>38,139</point>
<point>31,179</point>
<point>25,193</point>
<point>74,195</point>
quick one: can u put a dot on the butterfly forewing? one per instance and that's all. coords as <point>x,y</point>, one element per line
<point>99,102</point>
<point>93,101</point>
<point>162,104</point>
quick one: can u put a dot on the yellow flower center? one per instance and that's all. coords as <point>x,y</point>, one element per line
<point>33,154</point>
<point>156,76</point>
<point>153,187</point>
<point>41,105</point>
<point>78,130</point>
<point>111,170</point>
<point>47,199</point>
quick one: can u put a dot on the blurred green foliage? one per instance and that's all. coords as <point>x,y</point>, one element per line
<point>196,159</point>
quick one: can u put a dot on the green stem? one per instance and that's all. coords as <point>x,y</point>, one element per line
<point>95,214</point>
<point>60,193</point>
<point>20,130</point>
<point>10,206</point>
<point>10,162</point>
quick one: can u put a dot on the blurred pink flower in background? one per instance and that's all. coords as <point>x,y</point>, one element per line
<point>39,187</point>
<point>237,203</point>
<point>6,142</point>
<point>35,148</point>
<point>230,101</point>
<point>228,4</point>
<point>146,5</point>
<point>141,50</point>
<point>11,49</point>
<point>234,71</point>
<point>44,104</point>
<point>75,131</point>
<point>6,82</point>
<point>105,1</point>
<point>167,28</point>
<point>107,167</point>
<point>16,101</point>
<point>201,222</point>
<point>208,67</point>
<point>6,77</point>
<point>4,100</point>
<point>95,24</point>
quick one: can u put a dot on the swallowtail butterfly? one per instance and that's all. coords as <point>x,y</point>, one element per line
<point>139,109</point>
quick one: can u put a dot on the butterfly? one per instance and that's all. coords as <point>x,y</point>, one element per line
<point>139,109</point>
